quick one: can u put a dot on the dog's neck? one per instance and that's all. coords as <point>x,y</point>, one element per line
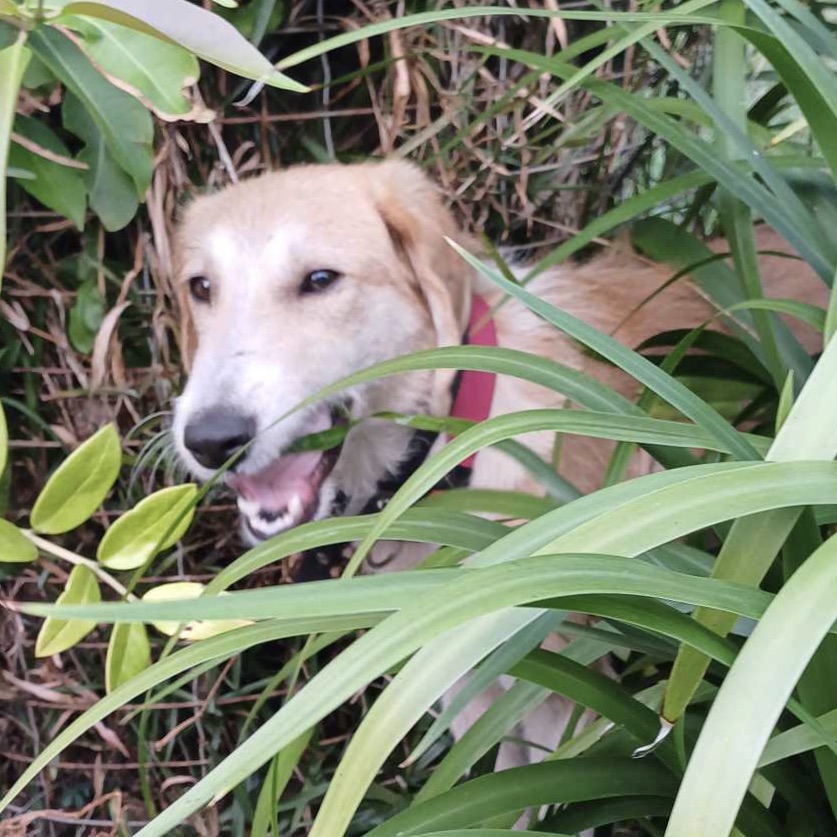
<point>472,394</point>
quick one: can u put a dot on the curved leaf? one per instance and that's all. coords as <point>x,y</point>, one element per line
<point>4,436</point>
<point>13,61</point>
<point>57,635</point>
<point>79,485</point>
<point>125,124</point>
<point>128,654</point>
<point>753,696</point>
<point>512,790</point>
<point>171,592</point>
<point>205,34</point>
<point>112,194</point>
<point>156,69</point>
<point>58,187</point>
<point>15,547</point>
<point>135,537</point>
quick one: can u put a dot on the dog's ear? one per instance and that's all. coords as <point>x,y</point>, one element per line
<point>418,224</point>
<point>187,337</point>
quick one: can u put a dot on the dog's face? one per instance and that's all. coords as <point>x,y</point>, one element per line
<point>288,283</point>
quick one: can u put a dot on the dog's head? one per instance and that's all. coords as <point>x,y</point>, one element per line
<point>289,282</point>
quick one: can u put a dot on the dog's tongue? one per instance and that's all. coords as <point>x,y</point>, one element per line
<point>289,484</point>
<point>288,481</point>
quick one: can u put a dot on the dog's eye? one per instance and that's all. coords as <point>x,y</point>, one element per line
<point>201,288</point>
<point>318,280</point>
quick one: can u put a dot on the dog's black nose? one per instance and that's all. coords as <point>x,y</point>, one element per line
<point>213,436</point>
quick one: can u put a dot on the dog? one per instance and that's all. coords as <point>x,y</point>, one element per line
<point>295,279</point>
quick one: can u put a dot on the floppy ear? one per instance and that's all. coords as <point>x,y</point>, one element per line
<point>187,338</point>
<point>418,224</point>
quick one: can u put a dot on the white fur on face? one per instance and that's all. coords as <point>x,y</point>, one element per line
<point>263,348</point>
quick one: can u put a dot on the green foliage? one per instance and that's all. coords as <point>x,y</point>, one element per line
<point>57,635</point>
<point>15,547</point>
<point>79,485</point>
<point>153,525</point>
<point>711,582</point>
<point>151,50</point>
<point>129,654</point>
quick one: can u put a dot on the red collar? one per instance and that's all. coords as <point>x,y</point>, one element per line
<point>476,389</point>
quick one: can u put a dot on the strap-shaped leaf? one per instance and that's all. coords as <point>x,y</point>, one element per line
<point>753,696</point>
<point>4,438</point>
<point>57,635</point>
<point>79,485</point>
<point>13,61</point>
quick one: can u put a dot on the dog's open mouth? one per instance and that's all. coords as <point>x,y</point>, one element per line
<point>287,491</point>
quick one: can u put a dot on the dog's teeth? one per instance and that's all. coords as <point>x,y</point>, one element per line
<point>295,507</point>
<point>249,508</point>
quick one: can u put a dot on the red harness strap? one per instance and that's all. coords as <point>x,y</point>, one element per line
<point>476,389</point>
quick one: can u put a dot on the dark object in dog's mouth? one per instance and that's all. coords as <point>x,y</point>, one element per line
<point>287,491</point>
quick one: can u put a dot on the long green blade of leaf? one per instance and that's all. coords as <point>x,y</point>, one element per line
<point>752,698</point>
<point>13,61</point>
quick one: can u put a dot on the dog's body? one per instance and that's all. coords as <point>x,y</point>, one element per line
<point>263,340</point>
<point>296,279</point>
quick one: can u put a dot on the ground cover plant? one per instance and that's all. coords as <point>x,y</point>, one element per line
<point>313,708</point>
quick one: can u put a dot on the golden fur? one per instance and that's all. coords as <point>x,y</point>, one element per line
<point>261,346</point>
<point>383,224</point>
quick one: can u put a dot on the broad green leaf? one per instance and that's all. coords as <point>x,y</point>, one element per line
<point>205,34</point>
<point>192,630</point>
<point>128,654</point>
<point>13,61</point>
<point>135,537</point>
<point>112,194</point>
<point>125,124</point>
<point>57,635</point>
<point>15,547</point>
<point>509,504</point>
<point>58,187</point>
<point>444,528</point>
<point>79,485</point>
<point>753,696</point>
<point>86,316</point>
<point>172,592</point>
<point>156,69</point>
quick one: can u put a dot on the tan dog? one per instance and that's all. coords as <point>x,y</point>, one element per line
<point>298,278</point>
<point>295,279</point>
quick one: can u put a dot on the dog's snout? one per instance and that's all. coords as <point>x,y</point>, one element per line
<point>213,436</point>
